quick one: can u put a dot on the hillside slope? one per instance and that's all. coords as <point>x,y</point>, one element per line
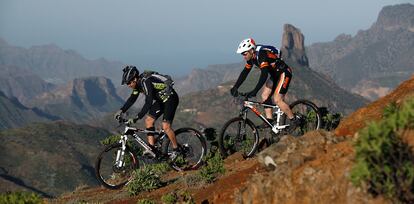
<point>23,84</point>
<point>49,158</point>
<point>13,114</point>
<point>373,111</point>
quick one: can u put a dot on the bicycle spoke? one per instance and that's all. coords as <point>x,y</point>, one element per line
<point>308,116</point>
<point>193,149</point>
<point>112,169</point>
<point>238,136</point>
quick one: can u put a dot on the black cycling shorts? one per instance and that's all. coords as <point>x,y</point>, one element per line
<point>280,83</point>
<point>167,108</point>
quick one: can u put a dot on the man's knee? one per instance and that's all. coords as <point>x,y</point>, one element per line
<point>149,121</point>
<point>166,125</point>
<point>278,99</point>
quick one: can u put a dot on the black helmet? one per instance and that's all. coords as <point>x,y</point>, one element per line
<point>130,72</point>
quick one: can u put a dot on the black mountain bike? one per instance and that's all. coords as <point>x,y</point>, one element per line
<point>240,134</point>
<point>116,162</point>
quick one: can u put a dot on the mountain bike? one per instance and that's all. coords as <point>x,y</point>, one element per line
<point>240,134</point>
<point>116,162</point>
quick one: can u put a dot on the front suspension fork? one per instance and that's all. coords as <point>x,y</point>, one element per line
<point>119,161</point>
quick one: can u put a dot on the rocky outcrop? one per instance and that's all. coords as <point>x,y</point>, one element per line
<point>81,99</point>
<point>310,169</point>
<point>293,45</point>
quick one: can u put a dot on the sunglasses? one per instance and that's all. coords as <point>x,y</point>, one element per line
<point>244,53</point>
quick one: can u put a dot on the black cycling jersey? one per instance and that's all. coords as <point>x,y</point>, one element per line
<point>267,58</point>
<point>153,89</point>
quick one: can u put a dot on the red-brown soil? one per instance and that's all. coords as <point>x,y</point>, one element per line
<point>373,112</point>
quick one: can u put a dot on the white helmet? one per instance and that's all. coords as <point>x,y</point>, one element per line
<point>246,45</point>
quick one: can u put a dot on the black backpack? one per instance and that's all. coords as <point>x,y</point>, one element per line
<point>163,77</point>
<point>166,79</point>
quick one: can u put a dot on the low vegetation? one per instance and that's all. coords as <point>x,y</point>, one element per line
<point>146,178</point>
<point>329,120</point>
<point>213,168</point>
<point>384,161</point>
<point>20,198</point>
<point>146,201</point>
<point>178,197</point>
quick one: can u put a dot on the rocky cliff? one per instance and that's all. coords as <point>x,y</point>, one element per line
<point>374,61</point>
<point>81,99</point>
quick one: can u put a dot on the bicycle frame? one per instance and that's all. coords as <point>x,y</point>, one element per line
<point>250,105</point>
<point>134,133</point>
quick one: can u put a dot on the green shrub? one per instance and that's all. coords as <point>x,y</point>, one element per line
<point>384,162</point>
<point>111,140</point>
<point>329,120</point>
<point>160,168</point>
<point>146,201</point>
<point>170,198</point>
<point>20,198</point>
<point>145,179</point>
<point>213,168</point>
<point>183,197</point>
<point>186,198</point>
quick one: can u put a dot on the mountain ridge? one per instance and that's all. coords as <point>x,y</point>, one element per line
<point>374,61</point>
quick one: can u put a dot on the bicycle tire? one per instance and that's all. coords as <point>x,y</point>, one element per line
<point>309,115</point>
<point>103,166</point>
<point>227,146</point>
<point>194,149</point>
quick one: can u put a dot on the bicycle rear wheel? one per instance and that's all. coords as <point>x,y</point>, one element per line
<point>309,116</point>
<point>238,135</point>
<point>108,172</point>
<point>194,149</point>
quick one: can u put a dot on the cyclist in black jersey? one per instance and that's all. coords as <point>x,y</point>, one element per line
<point>157,102</point>
<point>275,75</point>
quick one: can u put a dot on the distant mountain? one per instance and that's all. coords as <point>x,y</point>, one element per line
<point>81,99</point>
<point>13,114</point>
<point>374,61</point>
<point>21,83</point>
<point>49,158</point>
<point>203,79</point>
<point>56,65</point>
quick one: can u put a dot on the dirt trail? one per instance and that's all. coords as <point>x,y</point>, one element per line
<point>238,171</point>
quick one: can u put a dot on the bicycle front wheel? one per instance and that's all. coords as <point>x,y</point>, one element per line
<point>309,116</point>
<point>114,173</point>
<point>238,135</point>
<point>193,147</point>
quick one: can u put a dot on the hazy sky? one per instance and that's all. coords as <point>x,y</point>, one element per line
<point>176,36</point>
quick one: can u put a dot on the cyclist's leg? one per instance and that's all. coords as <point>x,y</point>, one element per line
<point>280,92</point>
<point>266,95</point>
<point>153,114</point>
<point>169,107</point>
